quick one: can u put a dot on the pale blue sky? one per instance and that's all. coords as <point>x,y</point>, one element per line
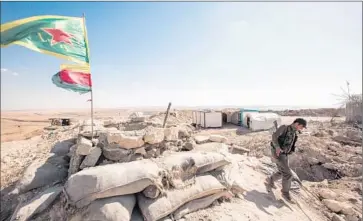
<point>193,54</point>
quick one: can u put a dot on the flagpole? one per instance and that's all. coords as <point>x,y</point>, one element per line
<point>88,55</point>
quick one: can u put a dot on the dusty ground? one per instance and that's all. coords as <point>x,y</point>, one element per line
<point>24,139</point>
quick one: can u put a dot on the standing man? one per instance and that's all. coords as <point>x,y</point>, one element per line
<point>283,144</point>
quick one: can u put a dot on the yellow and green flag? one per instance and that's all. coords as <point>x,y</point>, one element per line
<point>60,36</point>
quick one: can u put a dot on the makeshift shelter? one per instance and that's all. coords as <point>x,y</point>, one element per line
<point>207,118</point>
<point>260,121</point>
<point>243,113</point>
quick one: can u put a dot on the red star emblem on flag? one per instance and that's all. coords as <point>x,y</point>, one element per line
<point>58,36</point>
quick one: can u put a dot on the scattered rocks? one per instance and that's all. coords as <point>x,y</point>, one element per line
<point>126,142</point>
<point>327,194</point>
<point>171,133</point>
<point>115,152</point>
<point>218,138</point>
<point>154,135</point>
<point>25,211</point>
<point>333,205</point>
<point>200,139</point>
<point>91,159</point>
<point>84,146</point>
<point>336,217</point>
<point>190,145</point>
<point>337,207</point>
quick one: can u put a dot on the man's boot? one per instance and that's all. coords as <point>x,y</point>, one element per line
<point>269,184</point>
<point>286,196</point>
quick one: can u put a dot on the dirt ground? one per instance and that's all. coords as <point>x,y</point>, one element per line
<point>24,139</point>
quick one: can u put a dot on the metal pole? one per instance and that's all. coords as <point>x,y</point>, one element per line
<point>88,55</point>
<point>167,114</point>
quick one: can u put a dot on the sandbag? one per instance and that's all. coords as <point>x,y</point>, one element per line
<point>111,180</point>
<point>41,173</point>
<point>183,166</point>
<point>155,209</point>
<point>117,208</point>
<point>198,204</point>
<point>230,176</point>
<point>62,148</point>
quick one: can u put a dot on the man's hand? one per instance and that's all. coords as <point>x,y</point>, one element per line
<point>278,151</point>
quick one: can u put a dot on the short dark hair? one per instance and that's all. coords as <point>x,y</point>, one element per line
<point>300,121</point>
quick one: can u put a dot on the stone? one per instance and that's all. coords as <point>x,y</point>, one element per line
<point>347,209</point>
<point>91,159</point>
<point>153,153</point>
<point>115,152</point>
<point>239,150</point>
<point>75,162</point>
<point>330,166</point>
<point>312,161</point>
<point>84,146</point>
<point>25,211</point>
<point>333,205</point>
<point>179,143</point>
<point>86,131</point>
<point>190,145</point>
<point>126,142</point>
<point>141,151</point>
<point>212,147</point>
<point>327,194</point>
<point>171,134</point>
<point>135,157</point>
<point>218,138</point>
<point>154,135</point>
<point>183,133</point>
<point>62,148</point>
<point>336,217</point>
<point>352,218</point>
<point>200,139</point>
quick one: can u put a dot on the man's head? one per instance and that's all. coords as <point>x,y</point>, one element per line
<point>299,124</point>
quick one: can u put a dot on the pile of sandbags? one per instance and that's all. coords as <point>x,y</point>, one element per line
<point>173,185</point>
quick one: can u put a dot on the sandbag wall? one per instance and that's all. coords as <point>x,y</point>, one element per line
<point>124,175</point>
<point>176,184</point>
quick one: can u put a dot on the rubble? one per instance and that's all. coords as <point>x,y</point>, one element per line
<point>329,164</point>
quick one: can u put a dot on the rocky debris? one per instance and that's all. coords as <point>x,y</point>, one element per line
<point>115,153</point>
<point>190,145</point>
<point>25,211</point>
<point>91,159</point>
<point>200,139</point>
<point>137,117</point>
<point>84,146</point>
<point>239,150</point>
<point>327,194</point>
<point>218,138</point>
<point>171,133</point>
<point>337,207</point>
<point>154,135</point>
<point>75,161</point>
<point>337,217</point>
<point>126,142</point>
